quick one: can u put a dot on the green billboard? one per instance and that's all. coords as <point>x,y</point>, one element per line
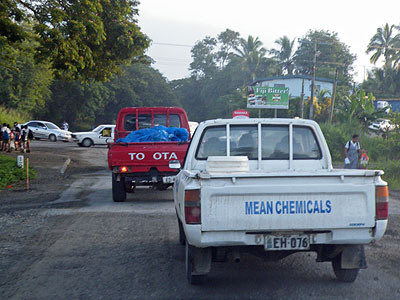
<point>268,97</point>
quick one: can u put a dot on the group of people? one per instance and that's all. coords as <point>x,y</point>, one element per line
<point>15,138</point>
<point>355,157</point>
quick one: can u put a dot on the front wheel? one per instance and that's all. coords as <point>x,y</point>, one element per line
<point>87,143</point>
<point>118,189</point>
<point>343,275</point>
<point>52,138</point>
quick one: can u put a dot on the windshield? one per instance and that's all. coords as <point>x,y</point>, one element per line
<point>98,128</point>
<point>244,142</point>
<point>51,126</point>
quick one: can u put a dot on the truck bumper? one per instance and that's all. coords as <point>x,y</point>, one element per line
<point>355,236</point>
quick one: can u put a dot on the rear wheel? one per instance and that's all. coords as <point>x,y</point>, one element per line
<point>344,275</point>
<point>190,267</point>
<point>118,189</point>
<point>87,143</point>
<point>52,138</point>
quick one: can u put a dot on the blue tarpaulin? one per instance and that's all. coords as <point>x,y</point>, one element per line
<point>156,134</point>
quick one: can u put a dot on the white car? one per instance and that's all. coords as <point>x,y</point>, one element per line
<point>97,136</point>
<point>382,125</point>
<point>48,130</point>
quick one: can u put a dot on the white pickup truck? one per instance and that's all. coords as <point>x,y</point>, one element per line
<point>267,186</point>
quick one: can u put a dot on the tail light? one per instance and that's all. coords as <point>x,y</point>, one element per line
<point>123,169</point>
<point>192,207</point>
<point>382,202</point>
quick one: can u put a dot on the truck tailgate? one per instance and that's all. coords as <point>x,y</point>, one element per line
<point>143,156</point>
<point>295,203</point>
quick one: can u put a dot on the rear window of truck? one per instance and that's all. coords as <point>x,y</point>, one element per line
<point>145,120</point>
<point>244,142</point>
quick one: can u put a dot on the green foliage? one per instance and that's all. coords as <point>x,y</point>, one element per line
<point>25,87</point>
<point>359,106</point>
<point>94,102</point>
<point>10,173</point>
<point>392,172</point>
<point>333,54</point>
<point>9,116</point>
<point>382,44</point>
<point>284,55</point>
<point>80,40</point>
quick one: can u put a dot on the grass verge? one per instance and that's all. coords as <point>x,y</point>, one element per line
<point>10,173</point>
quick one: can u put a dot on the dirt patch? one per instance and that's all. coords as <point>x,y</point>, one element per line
<point>47,160</point>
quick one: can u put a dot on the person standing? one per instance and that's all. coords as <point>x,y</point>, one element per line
<point>351,150</point>
<point>65,125</point>
<point>17,135</point>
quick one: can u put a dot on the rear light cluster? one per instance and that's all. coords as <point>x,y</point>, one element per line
<point>192,207</point>
<point>382,202</point>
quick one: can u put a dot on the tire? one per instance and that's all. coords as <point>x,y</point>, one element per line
<point>36,138</point>
<point>80,145</point>
<point>52,138</point>
<point>87,142</point>
<point>118,189</point>
<point>192,279</point>
<point>182,238</point>
<point>343,275</point>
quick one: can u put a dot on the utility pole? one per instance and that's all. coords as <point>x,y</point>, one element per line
<point>334,95</point>
<point>313,81</point>
<point>302,100</point>
<point>314,42</point>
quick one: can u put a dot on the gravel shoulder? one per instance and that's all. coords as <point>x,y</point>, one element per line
<point>52,249</point>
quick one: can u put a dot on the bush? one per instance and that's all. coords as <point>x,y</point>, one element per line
<point>392,172</point>
<point>9,116</point>
<point>10,173</point>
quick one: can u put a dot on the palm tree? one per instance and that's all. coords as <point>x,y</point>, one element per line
<point>382,43</point>
<point>251,54</point>
<point>285,54</point>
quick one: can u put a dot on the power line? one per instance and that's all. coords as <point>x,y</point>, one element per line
<point>173,45</point>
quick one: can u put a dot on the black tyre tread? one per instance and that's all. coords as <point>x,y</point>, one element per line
<point>343,275</point>
<point>84,143</point>
<point>118,189</point>
<point>192,279</point>
<point>52,138</point>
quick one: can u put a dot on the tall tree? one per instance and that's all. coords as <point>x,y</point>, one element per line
<point>81,39</point>
<point>285,54</point>
<point>204,58</point>
<point>331,54</point>
<point>229,40</point>
<point>382,44</point>
<point>252,55</point>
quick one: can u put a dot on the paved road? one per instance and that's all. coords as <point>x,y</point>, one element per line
<point>106,250</point>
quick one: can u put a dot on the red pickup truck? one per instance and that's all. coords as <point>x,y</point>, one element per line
<point>144,163</point>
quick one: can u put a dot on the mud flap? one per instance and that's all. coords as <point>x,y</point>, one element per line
<point>201,258</point>
<point>353,257</point>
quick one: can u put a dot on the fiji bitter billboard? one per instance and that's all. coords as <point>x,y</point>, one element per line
<point>268,97</point>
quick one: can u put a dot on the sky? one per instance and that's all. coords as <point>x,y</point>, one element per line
<point>174,26</point>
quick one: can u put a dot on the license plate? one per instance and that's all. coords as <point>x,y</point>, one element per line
<point>169,179</point>
<point>287,242</point>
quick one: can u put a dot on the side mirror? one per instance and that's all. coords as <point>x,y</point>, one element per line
<point>174,164</point>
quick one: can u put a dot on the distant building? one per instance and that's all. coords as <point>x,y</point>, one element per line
<point>294,83</point>
<point>393,103</point>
